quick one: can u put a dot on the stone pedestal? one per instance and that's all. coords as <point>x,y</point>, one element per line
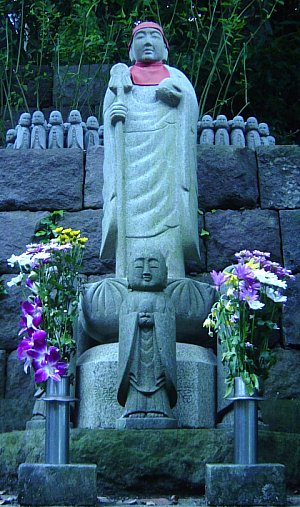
<point>97,372</point>
<point>41,484</point>
<point>262,484</point>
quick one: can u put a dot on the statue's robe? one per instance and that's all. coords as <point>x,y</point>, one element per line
<point>160,176</point>
<point>147,356</point>
<point>38,137</point>
<point>56,136</point>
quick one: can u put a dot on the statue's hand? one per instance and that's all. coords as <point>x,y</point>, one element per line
<point>118,112</point>
<point>146,319</point>
<point>169,92</point>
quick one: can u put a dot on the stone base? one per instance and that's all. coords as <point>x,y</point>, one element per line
<point>146,423</point>
<point>43,484</point>
<point>262,484</point>
<point>96,387</point>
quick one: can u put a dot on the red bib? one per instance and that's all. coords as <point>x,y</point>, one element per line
<point>148,73</point>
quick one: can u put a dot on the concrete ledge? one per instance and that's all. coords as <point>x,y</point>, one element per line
<point>245,484</point>
<point>43,484</point>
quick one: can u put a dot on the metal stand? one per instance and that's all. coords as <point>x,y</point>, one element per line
<point>57,433</point>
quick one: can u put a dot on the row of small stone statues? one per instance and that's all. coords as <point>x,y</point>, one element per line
<point>236,132</point>
<point>37,133</point>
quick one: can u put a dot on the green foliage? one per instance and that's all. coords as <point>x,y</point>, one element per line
<point>226,47</point>
<point>47,225</point>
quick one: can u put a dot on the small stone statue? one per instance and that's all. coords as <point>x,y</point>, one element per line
<point>237,136</point>
<point>147,346</point>
<point>271,141</point>
<point>10,139</point>
<point>221,127</point>
<point>75,128</point>
<point>263,130</point>
<point>38,131</point>
<point>207,135</point>
<point>56,131</point>
<point>91,137</point>
<point>252,135</point>
<point>22,141</point>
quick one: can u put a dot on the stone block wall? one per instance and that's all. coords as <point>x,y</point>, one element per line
<point>247,199</point>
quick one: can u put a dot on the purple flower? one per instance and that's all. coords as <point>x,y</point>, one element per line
<point>51,366</point>
<point>245,273</point>
<point>218,278</point>
<point>32,315</point>
<point>32,347</point>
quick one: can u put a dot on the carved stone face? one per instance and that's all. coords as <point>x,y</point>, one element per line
<point>221,121</point>
<point>147,272</point>
<point>55,118</point>
<point>148,46</point>
<point>238,122</point>
<point>75,116</point>
<point>38,118</point>
<point>207,121</point>
<point>263,129</point>
<point>10,135</point>
<point>252,123</point>
<point>92,123</point>
<point>25,120</point>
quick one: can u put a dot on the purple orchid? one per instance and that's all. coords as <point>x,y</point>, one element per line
<point>32,347</point>
<point>50,367</point>
<point>218,278</point>
<point>32,316</point>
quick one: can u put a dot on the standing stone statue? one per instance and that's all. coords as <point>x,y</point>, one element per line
<point>91,137</point>
<point>150,131</point>
<point>56,130</point>
<point>38,131</point>
<point>10,139</point>
<point>207,135</point>
<point>237,134</point>
<point>221,127</point>
<point>147,346</point>
<point>263,130</point>
<point>23,132</point>
<point>252,135</point>
<point>75,128</point>
<point>271,141</point>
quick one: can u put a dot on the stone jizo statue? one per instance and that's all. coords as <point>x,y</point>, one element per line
<point>207,135</point>
<point>38,131</point>
<point>56,130</point>
<point>91,136</point>
<point>147,344</point>
<point>271,141</point>
<point>252,135</point>
<point>237,134</point>
<point>221,128</point>
<point>10,139</point>
<point>263,130</point>
<point>75,130</point>
<point>23,132</point>
<point>150,185</point>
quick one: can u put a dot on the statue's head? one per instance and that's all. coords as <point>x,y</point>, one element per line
<point>238,122</point>
<point>147,272</point>
<point>55,118</point>
<point>263,129</point>
<point>25,120</point>
<point>272,140</point>
<point>221,121</point>
<point>251,123</point>
<point>148,43</point>
<point>10,136</point>
<point>206,121</point>
<point>75,116</point>
<point>92,123</point>
<point>38,118</point>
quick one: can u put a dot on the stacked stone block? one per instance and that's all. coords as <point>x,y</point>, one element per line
<point>247,199</point>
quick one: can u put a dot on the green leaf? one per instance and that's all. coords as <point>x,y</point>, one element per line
<point>204,233</point>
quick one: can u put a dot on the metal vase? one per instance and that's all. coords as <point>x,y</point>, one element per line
<point>57,432</point>
<point>245,425</point>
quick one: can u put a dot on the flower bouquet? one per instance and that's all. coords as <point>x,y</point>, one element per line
<point>248,308</point>
<point>50,282</point>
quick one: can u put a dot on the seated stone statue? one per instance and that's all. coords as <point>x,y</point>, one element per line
<point>23,132</point>
<point>10,139</point>
<point>147,343</point>
<point>56,131</point>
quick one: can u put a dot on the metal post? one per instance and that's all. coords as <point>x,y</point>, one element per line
<point>57,421</point>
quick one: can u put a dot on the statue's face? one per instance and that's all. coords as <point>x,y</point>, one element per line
<point>263,129</point>
<point>148,46</point>
<point>10,135</point>
<point>75,116</point>
<point>92,122</point>
<point>38,118</point>
<point>25,120</point>
<point>238,121</point>
<point>221,121</point>
<point>252,123</point>
<point>207,121</point>
<point>55,118</point>
<point>271,141</point>
<point>147,272</point>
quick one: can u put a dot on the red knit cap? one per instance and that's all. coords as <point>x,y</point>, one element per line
<point>148,24</point>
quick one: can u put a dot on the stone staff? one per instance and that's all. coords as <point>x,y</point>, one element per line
<point>120,83</point>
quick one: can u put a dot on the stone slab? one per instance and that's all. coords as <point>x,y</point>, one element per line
<point>54,180</point>
<point>97,387</point>
<point>10,312</point>
<point>281,415</point>
<point>231,231</point>
<point>279,176</point>
<point>94,178</point>
<point>2,372</point>
<point>42,484</point>
<point>291,314</point>
<point>262,484</point>
<point>290,232</point>
<point>134,423</point>
<point>234,170</point>
<point>288,361</point>
<point>14,413</point>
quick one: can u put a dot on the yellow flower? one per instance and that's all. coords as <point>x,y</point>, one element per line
<point>83,240</point>
<point>58,229</point>
<point>75,233</point>
<point>252,264</point>
<point>67,231</point>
